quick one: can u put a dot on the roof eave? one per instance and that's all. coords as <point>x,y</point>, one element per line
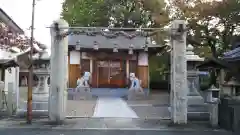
<point>9,21</point>
<point>151,49</point>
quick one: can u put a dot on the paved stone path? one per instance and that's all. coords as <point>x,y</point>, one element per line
<point>105,126</point>
<point>113,107</point>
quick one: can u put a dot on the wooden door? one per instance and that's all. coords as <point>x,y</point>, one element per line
<point>116,74</point>
<point>103,74</point>
<point>74,74</point>
<point>110,74</point>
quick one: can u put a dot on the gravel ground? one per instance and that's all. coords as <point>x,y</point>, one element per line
<point>155,98</point>
<point>80,108</point>
<point>155,106</point>
<point>75,108</point>
<point>152,112</point>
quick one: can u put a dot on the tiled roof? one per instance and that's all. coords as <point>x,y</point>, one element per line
<point>9,21</point>
<point>87,41</point>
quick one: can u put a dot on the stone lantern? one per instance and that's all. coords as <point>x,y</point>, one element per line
<point>41,91</point>
<point>193,76</point>
<point>41,68</point>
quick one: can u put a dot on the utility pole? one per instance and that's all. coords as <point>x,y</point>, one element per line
<point>30,75</point>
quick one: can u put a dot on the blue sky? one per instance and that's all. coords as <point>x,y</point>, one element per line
<point>46,12</point>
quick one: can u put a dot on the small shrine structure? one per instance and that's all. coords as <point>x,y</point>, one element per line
<point>229,66</point>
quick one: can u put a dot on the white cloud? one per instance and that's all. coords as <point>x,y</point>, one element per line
<point>45,12</point>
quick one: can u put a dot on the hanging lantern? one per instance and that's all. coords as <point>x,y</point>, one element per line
<point>95,46</point>
<point>9,33</point>
<point>115,49</point>
<point>78,46</point>
<point>1,39</point>
<point>146,46</point>
<point>11,41</point>
<point>130,51</point>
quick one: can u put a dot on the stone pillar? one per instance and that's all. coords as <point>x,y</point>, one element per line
<point>178,73</point>
<point>17,70</point>
<point>11,104</point>
<point>59,72</point>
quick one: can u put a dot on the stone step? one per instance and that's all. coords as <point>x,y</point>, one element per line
<point>39,109</point>
<point>22,113</point>
<point>198,112</point>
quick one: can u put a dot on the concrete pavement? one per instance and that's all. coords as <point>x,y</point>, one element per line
<point>104,126</point>
<point>106,132</point>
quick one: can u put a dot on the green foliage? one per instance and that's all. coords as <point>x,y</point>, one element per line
<point>117,13</point>
<point>159,67</point>
<point>212,23</point>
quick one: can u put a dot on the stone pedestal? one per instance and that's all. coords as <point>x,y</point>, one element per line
<point>41,92</point>
<point>83,93</point>
<point>194,96</point>
<point>135,95</point>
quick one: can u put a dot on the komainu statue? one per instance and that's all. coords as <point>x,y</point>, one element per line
<point>84,80</point>
<point>135,87</point>
<point>83,87</point>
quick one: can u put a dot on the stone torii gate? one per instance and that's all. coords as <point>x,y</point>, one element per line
<point>59,72</point>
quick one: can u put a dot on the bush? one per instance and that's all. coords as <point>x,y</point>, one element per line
<point>161,85</point>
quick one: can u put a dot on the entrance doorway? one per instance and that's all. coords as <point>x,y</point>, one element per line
<point>110,74</point>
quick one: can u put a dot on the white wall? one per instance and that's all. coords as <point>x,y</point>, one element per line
<point>12,77</point>
<point>74,57</point>
<point>143,59</point>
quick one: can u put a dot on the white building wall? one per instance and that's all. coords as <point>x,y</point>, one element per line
<point>12,77</point>
<point>74,57</point>
<point>143,59</point>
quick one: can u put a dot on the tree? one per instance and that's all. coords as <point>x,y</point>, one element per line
<point>117,13</point>
<point>212,25</point>
<point>9,38</point>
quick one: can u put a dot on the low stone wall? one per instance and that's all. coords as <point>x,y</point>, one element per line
<point>229,110</point>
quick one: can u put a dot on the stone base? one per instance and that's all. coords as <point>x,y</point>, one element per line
<point>197,109</point>
<point>22,113</point>
<point>195,100</point>
<point>40,96</point>
<point>135,95</point>
<point>82,93</point>
<point>39,109</point>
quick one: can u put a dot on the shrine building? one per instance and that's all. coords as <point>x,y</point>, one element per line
<point>110,56</point>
